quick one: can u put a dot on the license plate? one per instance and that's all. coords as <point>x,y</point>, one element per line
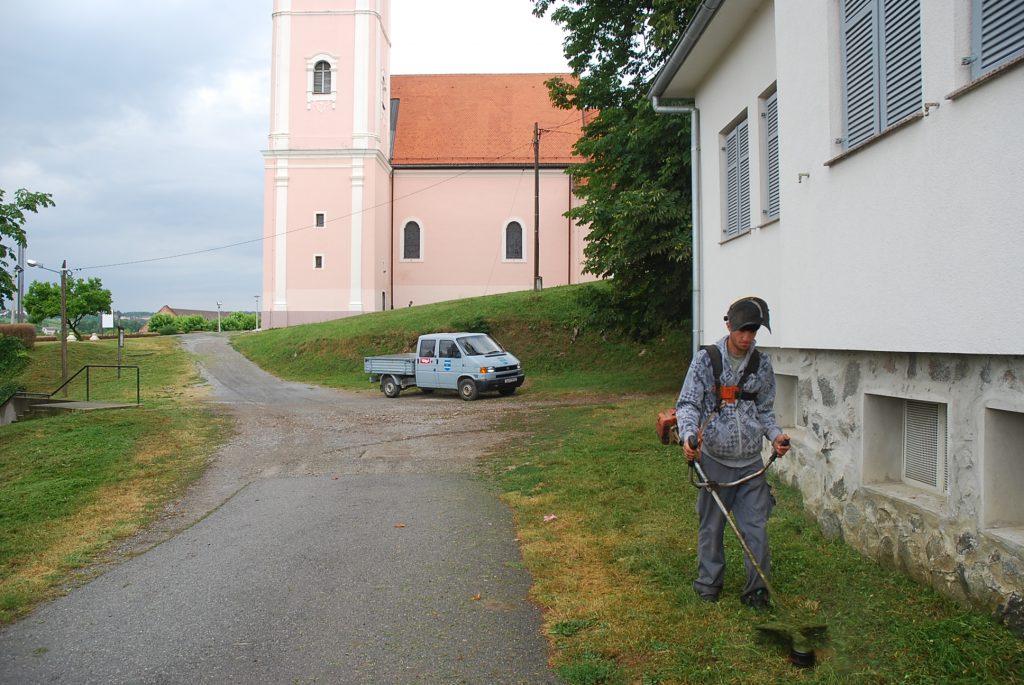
<point>511,380</point>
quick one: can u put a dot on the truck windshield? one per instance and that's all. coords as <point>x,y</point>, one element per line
<point>479,345</point>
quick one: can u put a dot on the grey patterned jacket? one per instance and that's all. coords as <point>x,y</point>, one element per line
<point>734,435</point>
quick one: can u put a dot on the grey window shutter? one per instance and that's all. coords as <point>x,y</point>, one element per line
<point>861,82</point>
<point>997,34</point>
<point>743,221</point>
<point>514,240</point>
<point>411,242</point>
<point>771,113</point>
<point>737,180</point>
<point>901,59</point>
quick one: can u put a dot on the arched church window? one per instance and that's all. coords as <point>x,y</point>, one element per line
<point>411,241</point>
<point>514,241</point>
<point>322,78</point>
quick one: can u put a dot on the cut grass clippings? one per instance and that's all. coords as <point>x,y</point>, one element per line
<point>613,564</point>
<point>70,485</point>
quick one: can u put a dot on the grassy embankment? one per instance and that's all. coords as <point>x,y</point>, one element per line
<point>612,572</point>
<point>71,485</point>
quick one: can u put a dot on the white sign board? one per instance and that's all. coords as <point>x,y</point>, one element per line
<point>107,320</point>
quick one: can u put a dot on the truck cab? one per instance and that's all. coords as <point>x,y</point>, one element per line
<point>470,363</point>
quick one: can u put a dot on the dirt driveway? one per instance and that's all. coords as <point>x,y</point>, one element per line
<point>338,538</point>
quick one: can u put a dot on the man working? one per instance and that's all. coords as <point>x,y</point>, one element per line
<point>726,405</point>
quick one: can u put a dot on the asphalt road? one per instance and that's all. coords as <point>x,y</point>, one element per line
<point>338,538</point>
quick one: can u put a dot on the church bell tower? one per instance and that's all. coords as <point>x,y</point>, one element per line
<point>327,172</point>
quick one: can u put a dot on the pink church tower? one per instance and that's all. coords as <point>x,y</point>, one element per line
<point>327,181</point>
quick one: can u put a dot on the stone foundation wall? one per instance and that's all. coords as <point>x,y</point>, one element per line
<point>936,538</point>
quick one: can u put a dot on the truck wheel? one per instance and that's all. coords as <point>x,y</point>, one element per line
<point>390,387</point>
<point>507,390</point>
<point>467,389</point>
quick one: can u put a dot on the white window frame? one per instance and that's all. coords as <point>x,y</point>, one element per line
<point>771,204</point>
<point>315,258</point>
<point>401,245</point>
<point>736,205</point>
<point>504,241</point>
<point>332,96</point>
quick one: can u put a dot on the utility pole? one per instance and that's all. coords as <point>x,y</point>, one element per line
<point>64,326</point>
<point>538,283</point>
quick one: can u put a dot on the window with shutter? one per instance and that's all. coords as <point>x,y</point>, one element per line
<point>771,156</point>
<point>881,65</point>
<point>737,180</point>
<point>997,34</point>
<point>411,241</point>
<point>924,445</point>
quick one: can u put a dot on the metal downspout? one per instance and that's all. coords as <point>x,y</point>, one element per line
<point>695,233</point>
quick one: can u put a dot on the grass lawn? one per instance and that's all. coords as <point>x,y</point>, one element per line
<point>612,573</point>
<point>604,512</point>
<point>70,485</point>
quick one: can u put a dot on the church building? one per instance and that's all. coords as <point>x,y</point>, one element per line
<point>386,191</point>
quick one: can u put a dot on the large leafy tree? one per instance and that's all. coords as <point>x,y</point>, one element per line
<point>84,297</point>
<point>636,177</point>
<point>12,222</point>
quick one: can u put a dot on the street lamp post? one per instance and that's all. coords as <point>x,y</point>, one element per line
<point>63,318</point>
<point>19,281</point>
<point>218,316</point>
<point>257,311</point>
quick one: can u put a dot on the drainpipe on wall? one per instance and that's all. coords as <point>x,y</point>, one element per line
<point>697,277</point>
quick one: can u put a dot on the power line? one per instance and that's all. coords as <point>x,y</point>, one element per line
<point>343,217</point>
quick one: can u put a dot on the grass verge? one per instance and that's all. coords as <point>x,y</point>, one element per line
<point>71,485</point>
<point>613,570</point>
<point>544,330</point>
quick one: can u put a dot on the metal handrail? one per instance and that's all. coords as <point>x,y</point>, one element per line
<point>138,393</point>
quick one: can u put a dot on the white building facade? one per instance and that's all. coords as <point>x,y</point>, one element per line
<point>860,169</point>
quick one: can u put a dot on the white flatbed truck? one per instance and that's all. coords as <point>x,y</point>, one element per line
<point>469,363</point>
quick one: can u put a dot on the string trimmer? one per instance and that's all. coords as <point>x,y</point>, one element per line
<point>801,639</point>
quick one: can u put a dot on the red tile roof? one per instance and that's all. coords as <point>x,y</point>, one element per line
<point>480,119</point>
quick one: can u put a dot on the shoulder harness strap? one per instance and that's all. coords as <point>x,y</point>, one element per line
<point>732,392</point>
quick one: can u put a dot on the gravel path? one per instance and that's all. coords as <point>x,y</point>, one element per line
<point>338,538</point>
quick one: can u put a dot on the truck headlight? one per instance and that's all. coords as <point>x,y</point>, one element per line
<point>486,369</point>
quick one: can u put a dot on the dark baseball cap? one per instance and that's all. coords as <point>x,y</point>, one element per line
<point>748,312</point>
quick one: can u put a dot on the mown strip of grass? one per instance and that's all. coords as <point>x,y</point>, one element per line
<point>613,573</point>
<point>72,484</point>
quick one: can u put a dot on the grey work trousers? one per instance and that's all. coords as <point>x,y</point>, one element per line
<point>751,504</point>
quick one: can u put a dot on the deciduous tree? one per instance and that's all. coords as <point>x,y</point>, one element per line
<point>636,177</point>
<point>85,296</point>
<point>12,221</point>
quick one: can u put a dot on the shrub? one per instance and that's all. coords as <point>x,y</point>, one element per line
<point>13,356</point>
<point>25,332</point>
<point>158,321</point>
<point>194,322</point>
<point>169,329</point>
<point>238,321</point>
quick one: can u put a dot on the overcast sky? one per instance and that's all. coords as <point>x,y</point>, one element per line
<point>145,120</point>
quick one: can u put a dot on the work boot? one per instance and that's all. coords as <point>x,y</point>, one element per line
<point>709,597</point>
<point>758,599</point>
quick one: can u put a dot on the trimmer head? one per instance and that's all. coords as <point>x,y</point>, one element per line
<point>802,641</point>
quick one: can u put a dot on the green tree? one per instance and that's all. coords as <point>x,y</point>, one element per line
<point>85,296</point>
<point>636,177</point>
<point>12,220</point>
